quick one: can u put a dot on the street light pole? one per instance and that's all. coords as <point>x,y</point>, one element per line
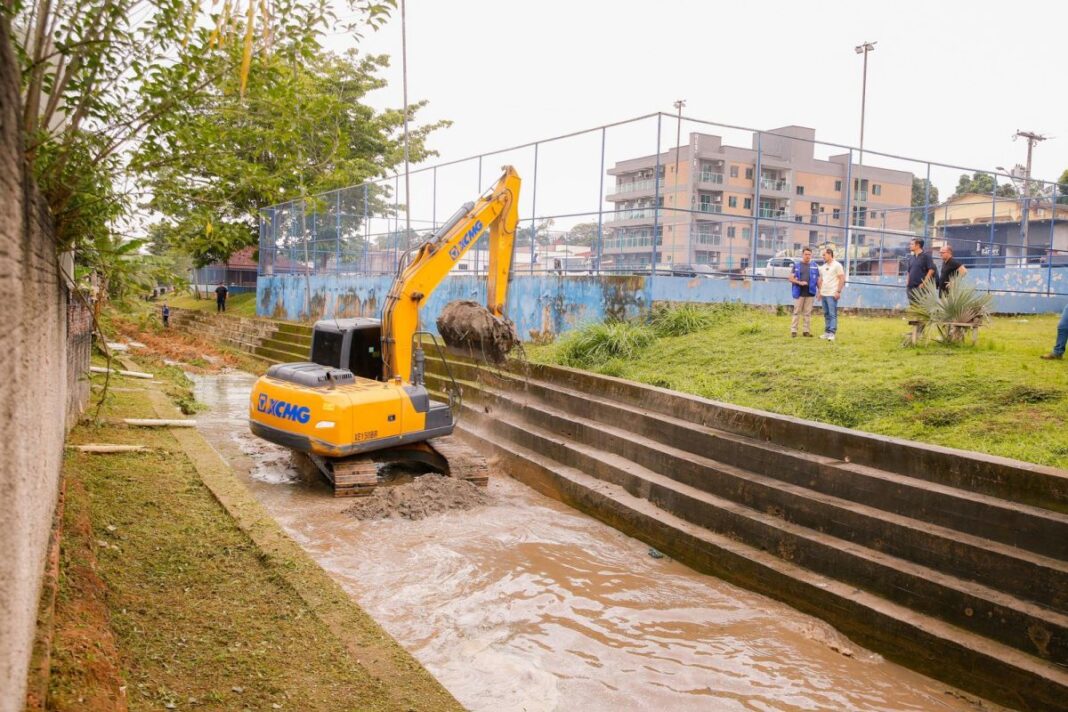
<point>863,49</point>
<point>679,103</point>
<point>1032,139</point>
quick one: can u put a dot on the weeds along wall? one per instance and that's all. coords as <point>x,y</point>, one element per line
<point>661,196</point>
<point>44,389</point>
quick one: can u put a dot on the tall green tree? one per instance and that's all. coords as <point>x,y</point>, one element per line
<point>924,198</point>
<point>1062,187</point>
<point>983,183</point>
<point>583,234</point>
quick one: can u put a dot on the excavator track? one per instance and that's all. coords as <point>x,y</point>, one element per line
<point>359,475</point>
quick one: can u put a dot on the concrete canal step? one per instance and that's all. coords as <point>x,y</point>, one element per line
<point>963,585</point>
<point>272,341</point>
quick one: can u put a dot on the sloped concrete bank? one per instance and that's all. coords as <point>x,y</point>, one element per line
<point>952,563</point>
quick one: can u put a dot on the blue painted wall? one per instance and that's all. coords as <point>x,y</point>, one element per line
<point>559,303</point>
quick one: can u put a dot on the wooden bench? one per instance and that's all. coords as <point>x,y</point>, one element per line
<point>955,333</point>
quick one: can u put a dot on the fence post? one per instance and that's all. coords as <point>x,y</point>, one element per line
<point>756,205</point>
<point>434,202</point>
<point>366,230</point>
<point>848,210</point>
<point>926,200</point>
<point>337,234</point>
<point>600,208</point>
<point>1052,219</point>
<point>479,192</point>
<point>993,220</point>
<point>656,206</point>
<point>534,211</point>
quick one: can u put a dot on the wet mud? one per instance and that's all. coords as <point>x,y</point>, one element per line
<point>525,604</point>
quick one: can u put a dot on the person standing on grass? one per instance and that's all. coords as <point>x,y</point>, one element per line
<point>1062,338</point>
<point>805,280</point>
<point>220,298</point>
<point>166,313</point>
<point>951,269</point>
<point>832,282</point>
<point>921,268</point>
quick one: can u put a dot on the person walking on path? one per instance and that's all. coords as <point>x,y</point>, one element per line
<point>1062,338</point>
<point>921,268</point>
<point>805,280</point>
<point>220,298</point>
<point>951,269</point>
<point>832,282</point>
<point>166,313</point>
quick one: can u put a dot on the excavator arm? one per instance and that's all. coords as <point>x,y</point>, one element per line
<point>498,211</point>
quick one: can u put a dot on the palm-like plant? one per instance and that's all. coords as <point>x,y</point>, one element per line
<point>962,303</point>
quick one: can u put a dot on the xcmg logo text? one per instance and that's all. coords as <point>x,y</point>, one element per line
<point>471,234</point>
<point>282,409</point>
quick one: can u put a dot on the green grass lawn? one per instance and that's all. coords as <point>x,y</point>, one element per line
<point>243,304</point>
<point>997,397</point>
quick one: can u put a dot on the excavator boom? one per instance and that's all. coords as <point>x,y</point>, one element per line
<point>498,211</point>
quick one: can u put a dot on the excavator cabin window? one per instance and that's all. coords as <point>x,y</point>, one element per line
<point>365,353</point>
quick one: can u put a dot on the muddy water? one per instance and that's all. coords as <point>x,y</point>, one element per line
<point>526,604</point>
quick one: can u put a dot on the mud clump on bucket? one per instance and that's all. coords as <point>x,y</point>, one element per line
<point>419,499</point>
<point>471,328</point>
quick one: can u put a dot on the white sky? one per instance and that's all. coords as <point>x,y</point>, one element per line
<point>949,81</point>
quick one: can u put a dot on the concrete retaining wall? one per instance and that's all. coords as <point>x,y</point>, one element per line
<point>558,303</point>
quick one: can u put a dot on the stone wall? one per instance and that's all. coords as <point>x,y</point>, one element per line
<point>34,395</point>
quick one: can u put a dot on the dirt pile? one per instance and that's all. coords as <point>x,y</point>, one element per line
<point>419,499</point>
<point>471,328</point>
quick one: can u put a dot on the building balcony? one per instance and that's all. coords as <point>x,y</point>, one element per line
<point>771,212</point>
<point>710,207</point>
<point>861,196</point>
<point>710,177</point>
<point>633,214</point>
<point>637,187</point>
<point>775,185</point>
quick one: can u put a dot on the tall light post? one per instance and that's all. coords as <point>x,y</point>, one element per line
<point>1032,139</point>
<point>679,103</point>
<point>863,49</point>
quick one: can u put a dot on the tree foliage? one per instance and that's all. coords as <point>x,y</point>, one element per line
<point>983,183</point>
<point>1062,187</point>
<point>583,234</point>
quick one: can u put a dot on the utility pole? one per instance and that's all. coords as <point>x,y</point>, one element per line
<point>1032,139</point>
<point>679,103</point>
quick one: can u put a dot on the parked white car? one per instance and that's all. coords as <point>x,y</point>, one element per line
<point>777,268</point>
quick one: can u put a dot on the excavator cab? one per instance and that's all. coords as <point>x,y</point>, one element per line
<point>355,344</point>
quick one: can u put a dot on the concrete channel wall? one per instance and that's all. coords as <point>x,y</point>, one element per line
<point>558,303</point>
<point>949,562</point>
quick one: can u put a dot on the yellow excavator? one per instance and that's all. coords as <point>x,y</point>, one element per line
<point>360,402</point>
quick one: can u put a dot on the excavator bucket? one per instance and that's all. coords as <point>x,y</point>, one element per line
<point>473,330</point>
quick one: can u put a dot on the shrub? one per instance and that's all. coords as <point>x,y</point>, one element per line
<point>962,303</point>
<point>598,343</point>
<point>681,319</point>
<point>1029,394</point>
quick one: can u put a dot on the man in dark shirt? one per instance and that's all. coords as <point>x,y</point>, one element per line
<point>921,268</point>
<point>951,269</point>
<point>805,278</point>
<point>220,298</point>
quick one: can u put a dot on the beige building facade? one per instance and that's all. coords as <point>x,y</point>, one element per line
<point>726,206</point>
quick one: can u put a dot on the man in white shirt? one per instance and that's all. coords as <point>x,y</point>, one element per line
<point>832,282</point>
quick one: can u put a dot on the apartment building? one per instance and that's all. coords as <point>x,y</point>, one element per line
<point>728,204</point>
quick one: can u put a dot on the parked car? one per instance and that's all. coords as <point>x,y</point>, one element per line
<point>690,270</point>
<point>777,268</point>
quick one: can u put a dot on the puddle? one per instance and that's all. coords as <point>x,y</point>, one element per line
<point>526,604</point>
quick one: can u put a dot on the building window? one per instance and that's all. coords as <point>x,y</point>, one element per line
<point>749,174</point>
<point>838,186</point>
<point>745,263</point>
<point>797,246</point>
<point>732,201</point>
<point>799,218</point>
<point>813,236</point>
<point>876,189</point>
<point>730,231</point>
<point>800,190</point>
<point>836,214</point>
<point>748,204</point>
<point>814,207</point>
<point>734,171</point>
<point>746,233</point>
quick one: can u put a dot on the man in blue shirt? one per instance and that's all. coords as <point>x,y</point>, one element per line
<point>1062,339</point>
<point>805,279</point>
<point>921,268</point>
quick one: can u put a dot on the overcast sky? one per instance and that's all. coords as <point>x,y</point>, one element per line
<point>948,81</point>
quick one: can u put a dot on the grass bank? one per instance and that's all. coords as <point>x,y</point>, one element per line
<point>164,602</point>
<point>243,304</point>
<point>997,397</point>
